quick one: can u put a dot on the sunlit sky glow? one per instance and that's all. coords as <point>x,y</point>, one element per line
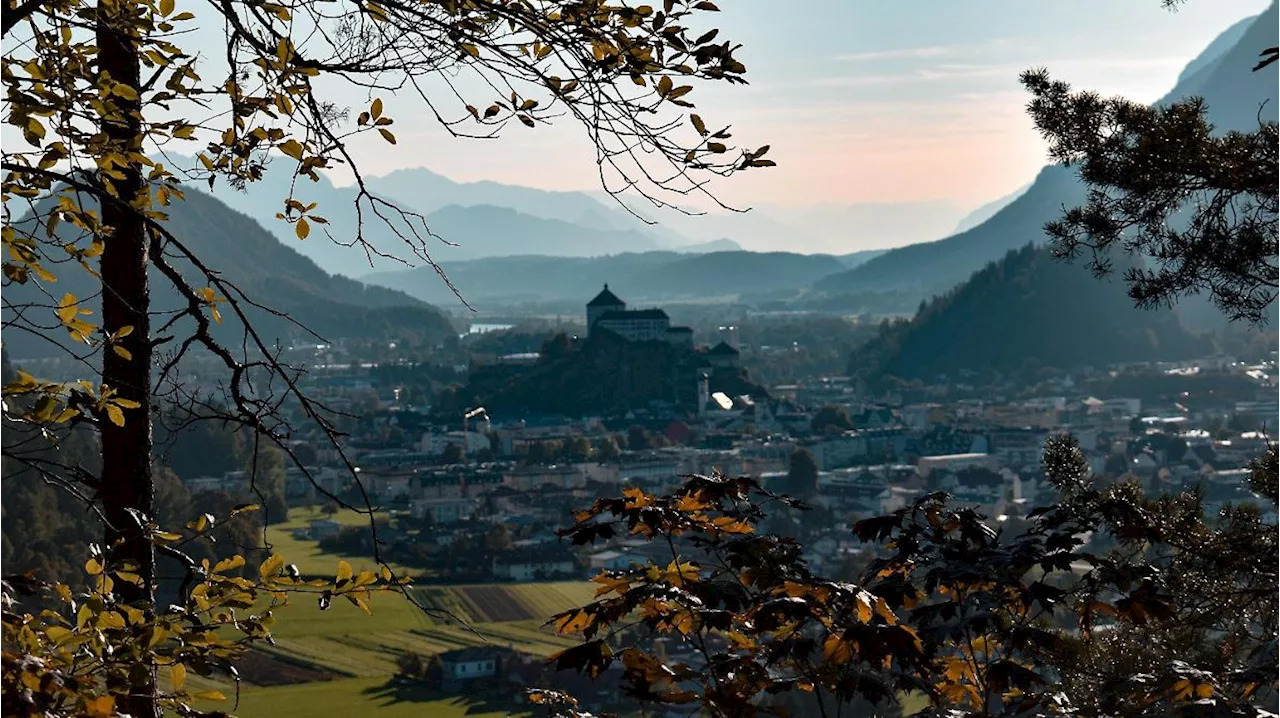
<point>876,101</point>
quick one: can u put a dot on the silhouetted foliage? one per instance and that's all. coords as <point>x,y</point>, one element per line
<point>1200,205</point>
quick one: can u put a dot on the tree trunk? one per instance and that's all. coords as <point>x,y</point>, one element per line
<point>127,491</point>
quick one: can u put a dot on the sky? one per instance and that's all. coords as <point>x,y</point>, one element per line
<point>874,101</point>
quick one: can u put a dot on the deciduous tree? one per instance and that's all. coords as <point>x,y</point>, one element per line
<point>99,91</point>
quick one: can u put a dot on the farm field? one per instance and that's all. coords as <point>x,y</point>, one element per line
<point>340,661</point>
<point>307,554</point>
<point>351,697</point>
<point>509,602</point>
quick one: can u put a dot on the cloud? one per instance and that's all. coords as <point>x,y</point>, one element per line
<point>1002,45</point>
<point>958,72</point>
<point>899,54</point>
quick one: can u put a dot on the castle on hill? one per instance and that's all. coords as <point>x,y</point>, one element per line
<point>629,360</point>
<point>610,313</point>
<point>607,312</point>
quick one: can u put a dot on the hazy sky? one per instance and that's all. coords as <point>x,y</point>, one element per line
<point>877,100</point>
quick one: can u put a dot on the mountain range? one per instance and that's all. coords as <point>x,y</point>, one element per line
<point>267,271</point>
<point>826,228</point>
<point>988,210</point>
<point>444,232</point>
<point>1026,310</point>
<point>473,220</point>
<point>1236,98</point>
<point>638,277</point>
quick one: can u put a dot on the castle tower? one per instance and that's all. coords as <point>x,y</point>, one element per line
<point>605,302</point>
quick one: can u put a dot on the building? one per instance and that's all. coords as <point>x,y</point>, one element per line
<point>723,356</point>
<point>536,563</point>
<point>609,560</point>
<point>955,462</point>
<point>324,528</point>
<point>527,478</point>
<point>658,468</point>
<point>444,510</point>
<point>467,664</point>
<point>610,313</point>
<point>434,444</point>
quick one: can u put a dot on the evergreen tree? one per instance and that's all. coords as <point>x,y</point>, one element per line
<point>1199,204</point>
<point>802,474</point>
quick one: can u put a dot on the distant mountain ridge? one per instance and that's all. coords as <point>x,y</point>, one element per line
<point>468,231</point>
<point>1026,310</point>
<point>1221,75</point>
<point>267,271</point>
<point>493,231</point>
<point>647,276</point>
<point>988,210</point>
<point>429,192</point>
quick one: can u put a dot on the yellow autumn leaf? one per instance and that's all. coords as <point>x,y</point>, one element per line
<point>124,91</point>
<point>271,566</point>
<point>67,308</point>
<point>100,707</point>
<point>836,650</point>
<point>58,634</point>
<point>293,148</point>
<point>864,609</point>
<point>228,564</point>
<point>302,229</point>
<point>178,676</point>
<point>344,571</point>
<point>114,414</point>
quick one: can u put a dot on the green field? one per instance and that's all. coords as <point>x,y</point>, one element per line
<point>341,661</point>
<point>306,554</point>
<point>349,697</point>
<point>350,656</point>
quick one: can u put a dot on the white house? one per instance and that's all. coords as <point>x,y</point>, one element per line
<point>535,563</point>
<point>434,444</point>
<point>955,462</point>
<point>609,560</point>
<point>468,664</point>
<point>444,510</point>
